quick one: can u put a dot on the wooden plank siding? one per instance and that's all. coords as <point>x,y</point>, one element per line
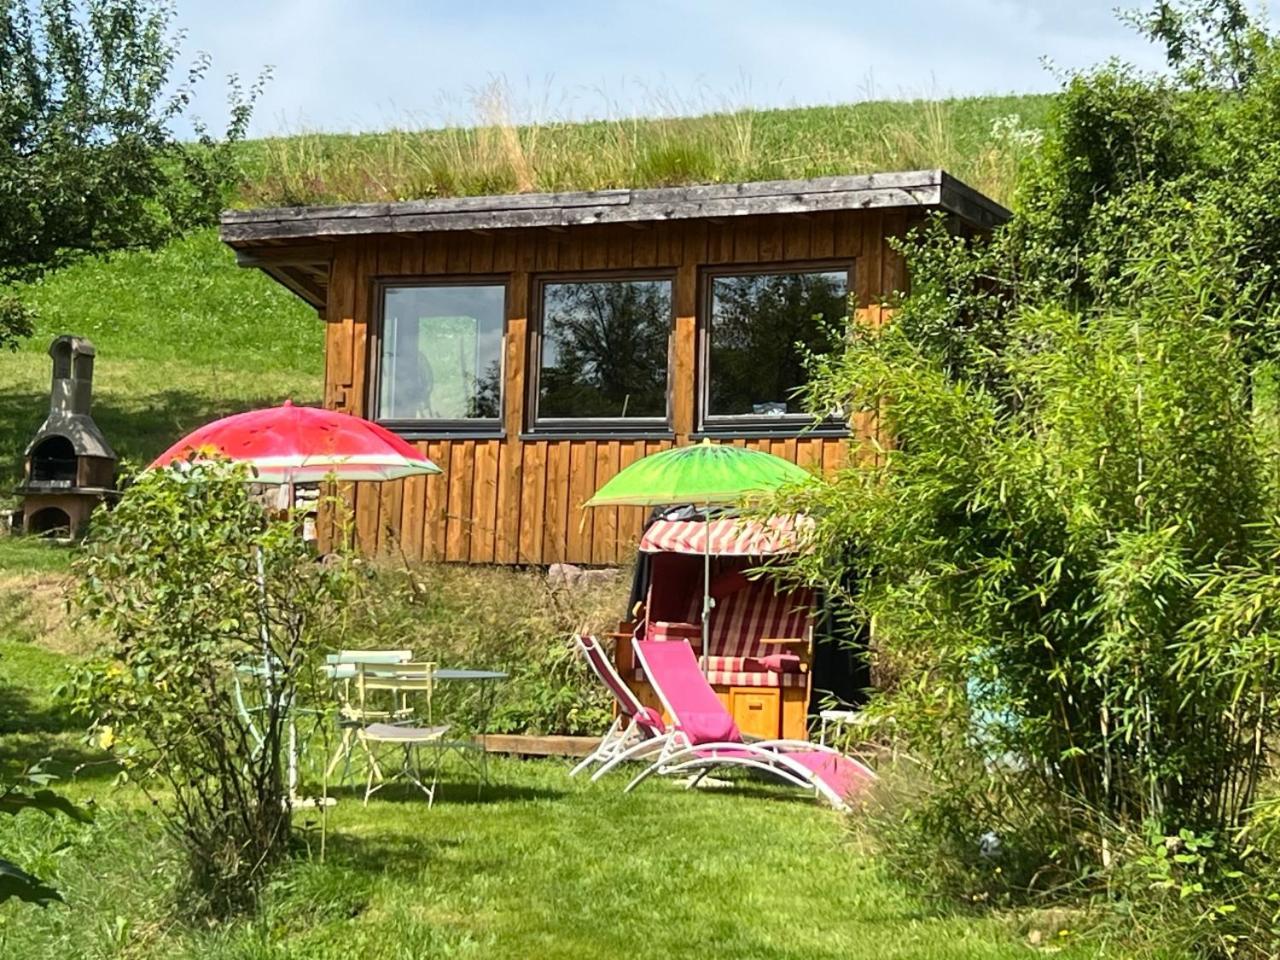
<point>517,497</point>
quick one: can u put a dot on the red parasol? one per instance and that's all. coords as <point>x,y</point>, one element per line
<point>289,444</point>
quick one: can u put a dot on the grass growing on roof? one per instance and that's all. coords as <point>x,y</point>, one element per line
<point>981,140</point>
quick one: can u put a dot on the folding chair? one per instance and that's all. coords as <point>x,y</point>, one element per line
<point>399,681</point>
<point>705,737</point>
<point>341,668</point>
<point>636,728</point>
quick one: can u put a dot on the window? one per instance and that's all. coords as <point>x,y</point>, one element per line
<point>603,351</point>
<point>751,362</point>
<point>441,355</point>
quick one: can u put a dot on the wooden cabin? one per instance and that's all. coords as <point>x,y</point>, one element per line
<point>533,345</point>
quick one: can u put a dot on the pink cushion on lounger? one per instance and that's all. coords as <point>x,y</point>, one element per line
<point>710,728</point>
<point>650,718</point>
<point>843,775</point>
<point>673,669</point>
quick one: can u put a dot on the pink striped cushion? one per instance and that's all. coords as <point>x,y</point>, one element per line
<point>746,616</point>
<point>743,678</point>
<point>775,663</point>
<point>754,678</point>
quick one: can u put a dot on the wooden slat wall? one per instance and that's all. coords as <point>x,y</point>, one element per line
<point>509,500</point>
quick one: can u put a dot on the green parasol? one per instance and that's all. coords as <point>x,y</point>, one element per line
<point>702,475</point>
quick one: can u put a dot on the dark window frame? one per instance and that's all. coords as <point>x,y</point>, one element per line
<point>756,425</point>
<point>538,427</point>
<point>456,428</point>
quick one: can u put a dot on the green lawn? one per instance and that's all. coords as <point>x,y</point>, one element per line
<point>540,865</point>
<point>32,555</point>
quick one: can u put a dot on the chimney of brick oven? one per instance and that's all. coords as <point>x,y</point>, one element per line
<point>72,391</point>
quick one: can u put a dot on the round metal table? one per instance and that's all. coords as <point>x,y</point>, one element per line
<point>486,679</point>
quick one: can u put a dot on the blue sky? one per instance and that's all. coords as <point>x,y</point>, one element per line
<point>348,65</point>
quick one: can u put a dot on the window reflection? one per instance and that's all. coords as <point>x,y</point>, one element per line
<point>754,365</point>
<point>604,349</point>
<point>442,353</point>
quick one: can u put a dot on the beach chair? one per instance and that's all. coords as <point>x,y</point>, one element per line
<point>704,737</point>
<point>637,729</point>
<point>759,642</point>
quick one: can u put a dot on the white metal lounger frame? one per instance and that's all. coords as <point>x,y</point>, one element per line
<point>679,755</point>
<point>629,737</point>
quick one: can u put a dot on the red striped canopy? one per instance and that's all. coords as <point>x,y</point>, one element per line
<point>730,536</point>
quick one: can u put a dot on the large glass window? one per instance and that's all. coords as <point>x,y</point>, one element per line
<point>604,349</point>
<point>753,364</point>
<point>441,354</point>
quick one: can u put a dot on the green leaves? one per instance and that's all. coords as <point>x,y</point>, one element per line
<point>89,161</point>
<point>196,588</point>
<point>16,882</point>
<point>46,801</point>
<point>1070,552</point>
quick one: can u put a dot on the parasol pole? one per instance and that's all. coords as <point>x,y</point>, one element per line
<point>293,721</point>
<point>284,499</point>
<point>706,584</point>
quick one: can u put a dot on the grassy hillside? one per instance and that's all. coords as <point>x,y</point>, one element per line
<point>183,335</point>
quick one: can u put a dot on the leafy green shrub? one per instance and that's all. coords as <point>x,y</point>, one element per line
<point>89,161</point>
<point>1070,553</point>
<point>31,793</point>
<point>1078,589</point>
<point>190,582</point>
<point>16,320</point>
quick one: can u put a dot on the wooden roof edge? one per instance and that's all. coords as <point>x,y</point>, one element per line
<point>970,205</point>
<point>913,188</point>
<point>310,289</point>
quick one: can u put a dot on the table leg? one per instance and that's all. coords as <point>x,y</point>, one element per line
<point>486,709</point>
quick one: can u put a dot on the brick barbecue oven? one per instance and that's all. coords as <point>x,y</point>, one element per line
<point>70,467</point>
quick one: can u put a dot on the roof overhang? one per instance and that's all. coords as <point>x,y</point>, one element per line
<point>293,244</point>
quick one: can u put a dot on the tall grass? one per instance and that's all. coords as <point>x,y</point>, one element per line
<point>981,140</point>
<point>516,621</point>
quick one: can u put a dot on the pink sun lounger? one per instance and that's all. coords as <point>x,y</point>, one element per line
<point>702,735</point>
<point>636,731</point>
